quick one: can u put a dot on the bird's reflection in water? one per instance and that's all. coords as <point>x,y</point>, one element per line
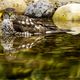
<point>13,44</point>
<point>7,43</point>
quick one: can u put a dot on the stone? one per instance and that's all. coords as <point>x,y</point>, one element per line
<point>67,17</point>
<point>18,5</point>
<point>69,12</point>
<point>40,8</point>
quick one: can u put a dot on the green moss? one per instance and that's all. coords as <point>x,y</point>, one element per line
<point>61,15</point>
<point>1,49</point>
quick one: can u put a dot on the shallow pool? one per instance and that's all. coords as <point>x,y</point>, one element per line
<point>49,57</point>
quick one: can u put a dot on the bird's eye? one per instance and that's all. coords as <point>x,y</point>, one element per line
<point>10,13</point>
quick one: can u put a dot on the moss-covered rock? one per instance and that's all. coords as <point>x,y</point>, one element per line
<point>67,12</point>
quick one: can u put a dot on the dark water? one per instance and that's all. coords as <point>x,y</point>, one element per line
<point>49,57</point>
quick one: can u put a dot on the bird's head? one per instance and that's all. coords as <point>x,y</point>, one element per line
<point>9,13</point>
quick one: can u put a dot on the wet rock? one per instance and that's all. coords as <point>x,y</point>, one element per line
<point>69,12</point>
<point>18,5</point>
<point>41,8</point>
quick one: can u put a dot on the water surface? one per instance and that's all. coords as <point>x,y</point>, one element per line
<point>48,57</point>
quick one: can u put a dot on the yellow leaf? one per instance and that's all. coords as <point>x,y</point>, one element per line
<point>1,14</point>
